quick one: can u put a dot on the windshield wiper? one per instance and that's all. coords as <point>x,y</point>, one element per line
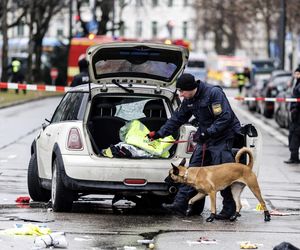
<point>122,87</point>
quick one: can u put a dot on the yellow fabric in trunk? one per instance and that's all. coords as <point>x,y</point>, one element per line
<point>135,133</point>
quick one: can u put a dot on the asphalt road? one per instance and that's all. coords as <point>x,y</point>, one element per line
<point>93,224</point>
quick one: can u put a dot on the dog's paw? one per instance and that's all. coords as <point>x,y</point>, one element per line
<point>267,216</point>
<point>189,210</point>
<point>211,218</point>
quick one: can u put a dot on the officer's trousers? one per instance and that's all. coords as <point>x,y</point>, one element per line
<point>294,140</point>
<point>214,154</point>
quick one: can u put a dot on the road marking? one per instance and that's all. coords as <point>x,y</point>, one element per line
<point>11,156</point>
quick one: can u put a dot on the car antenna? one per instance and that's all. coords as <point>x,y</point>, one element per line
<point>122,87</point>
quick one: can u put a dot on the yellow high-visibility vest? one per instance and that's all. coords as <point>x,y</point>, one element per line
<point>135,133</point>
<point>15,66</point>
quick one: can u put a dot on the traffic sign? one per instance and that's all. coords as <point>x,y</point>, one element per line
<point>54,73</point>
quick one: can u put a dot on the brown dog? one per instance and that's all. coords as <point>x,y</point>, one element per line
<point>210,180</point>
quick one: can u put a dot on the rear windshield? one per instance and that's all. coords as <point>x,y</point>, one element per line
<point>196,64</point>
<point>140,61</point>
<point>155,68</point>
<point>263,66</point>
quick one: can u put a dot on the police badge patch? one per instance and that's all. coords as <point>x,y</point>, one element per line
<point>217,108</point>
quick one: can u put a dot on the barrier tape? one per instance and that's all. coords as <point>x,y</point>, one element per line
<point>265,99</point>
<point>50,88</point>
<point>34,87</point>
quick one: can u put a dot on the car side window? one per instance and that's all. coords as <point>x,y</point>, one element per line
<point>60,109</point>
<point>71,110</point>
<point>69,107</point>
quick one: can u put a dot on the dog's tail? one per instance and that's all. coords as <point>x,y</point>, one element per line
<point>248,152</point>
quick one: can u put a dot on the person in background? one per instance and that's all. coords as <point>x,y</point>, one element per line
<point>83,77</point>
<point>294,128</point>
<point>16,73</point>
<point>243,78</point>
<point>218,126</point>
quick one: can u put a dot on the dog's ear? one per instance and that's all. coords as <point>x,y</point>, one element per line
<point>175,169</point>
<point>182,163</point>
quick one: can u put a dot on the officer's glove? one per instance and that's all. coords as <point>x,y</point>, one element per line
<point>153,136</point>
<point>201,137</point>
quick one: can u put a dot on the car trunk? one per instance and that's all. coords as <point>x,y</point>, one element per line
<point>109,113</point>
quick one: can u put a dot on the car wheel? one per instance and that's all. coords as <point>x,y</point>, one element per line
<point>36,191</point>
<point>62,198</point>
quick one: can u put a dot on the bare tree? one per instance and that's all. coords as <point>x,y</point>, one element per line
<point>7,6</point>
<point>269,10</point>
<point>224,18</point>
<point>40,14</point>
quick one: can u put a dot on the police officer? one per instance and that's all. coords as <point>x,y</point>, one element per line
<point>217,128</point>
<point>83,77</point>
<point>294,128</point>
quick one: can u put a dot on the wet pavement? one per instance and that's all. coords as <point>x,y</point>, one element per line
<point>93,224</point>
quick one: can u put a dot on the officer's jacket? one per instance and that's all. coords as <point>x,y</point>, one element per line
<point>212,111</point>
<point>295,106</point>
<point>81,78</point>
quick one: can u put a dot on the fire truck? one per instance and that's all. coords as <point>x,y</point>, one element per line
<point>78,47</point>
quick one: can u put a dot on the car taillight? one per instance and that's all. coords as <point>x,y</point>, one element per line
<point>74,140</point>
<point>191,145</point>
<point>135,182</point>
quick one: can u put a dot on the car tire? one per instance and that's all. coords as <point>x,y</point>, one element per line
<point>62,198</point>
<point>35,190</point>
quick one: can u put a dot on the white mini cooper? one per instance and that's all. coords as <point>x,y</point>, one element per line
<point>129,81</point>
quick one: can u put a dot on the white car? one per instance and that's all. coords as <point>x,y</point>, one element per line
<point>129,81</point>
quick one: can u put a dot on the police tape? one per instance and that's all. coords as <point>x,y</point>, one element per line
<point>51,88</point>
<point>33,87</point>
<point>265,99</point>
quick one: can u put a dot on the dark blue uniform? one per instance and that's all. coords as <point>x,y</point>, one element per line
<point>215,116</point>
<point>294,128</point>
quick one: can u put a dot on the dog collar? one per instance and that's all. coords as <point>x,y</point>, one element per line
<point>185,175</point>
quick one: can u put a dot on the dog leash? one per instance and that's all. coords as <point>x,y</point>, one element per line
<point>203,153</point>
<point>177,141</point>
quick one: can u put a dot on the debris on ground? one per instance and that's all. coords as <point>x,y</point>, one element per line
<point>23,199</point>
<point>27,229</point>
<point>56,240</point>
<point>202,240</point>
<point>248,245</point>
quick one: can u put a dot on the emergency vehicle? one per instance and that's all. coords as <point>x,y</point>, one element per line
<point>222,69</point>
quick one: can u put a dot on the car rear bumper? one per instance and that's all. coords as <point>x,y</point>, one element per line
<point>93,168</point>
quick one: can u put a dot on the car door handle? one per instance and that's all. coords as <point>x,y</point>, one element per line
<point>48,134</point>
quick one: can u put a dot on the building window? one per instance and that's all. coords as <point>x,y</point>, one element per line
<point>139,3</point>
<point>121,3</point>
<point>59,32</point>
<point>20,29</point>
<point>185,29</point>
<point>139,29</point>
<point>170,3</point>
<point>154,3</point>
<point>154,29</point>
